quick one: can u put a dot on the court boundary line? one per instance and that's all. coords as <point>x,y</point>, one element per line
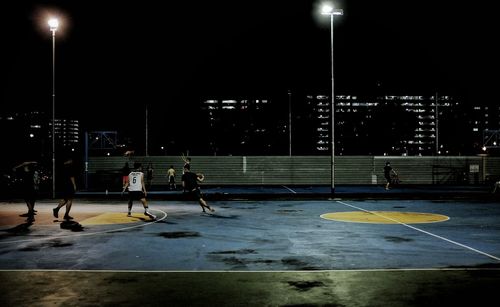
<point>90,233</point>
<point>239,271</point>
<point>289,189</point>
<point>423,231</point>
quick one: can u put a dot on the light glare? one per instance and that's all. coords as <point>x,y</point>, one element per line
<point>53,24</point>
<point>326,9</point>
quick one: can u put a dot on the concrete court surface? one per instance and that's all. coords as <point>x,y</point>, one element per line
<point>253,253</point>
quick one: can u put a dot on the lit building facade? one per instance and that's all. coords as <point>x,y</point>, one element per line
<point>67,132</point>
<point>386,125</point>
<point>484,125</point>
<point>29,134</point>
<point>410,125</point>
<point>239,126</point>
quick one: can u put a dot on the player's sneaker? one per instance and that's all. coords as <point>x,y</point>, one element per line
<point>151,216</point>
<point>129,214</point>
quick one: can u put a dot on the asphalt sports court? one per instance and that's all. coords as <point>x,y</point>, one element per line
<point>337,252</point>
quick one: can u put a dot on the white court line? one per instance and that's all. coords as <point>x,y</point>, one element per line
<point>239,271</point>
<point>90,233</point>
<point>423,231</point>
<point>289,189</point>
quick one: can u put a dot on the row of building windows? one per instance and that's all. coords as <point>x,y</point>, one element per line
<point>424,112</point>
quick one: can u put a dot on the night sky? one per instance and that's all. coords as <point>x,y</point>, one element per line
<point>114,57</point>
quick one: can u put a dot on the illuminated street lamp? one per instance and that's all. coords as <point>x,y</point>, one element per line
<point>329,10</point>
<point>53,24</point>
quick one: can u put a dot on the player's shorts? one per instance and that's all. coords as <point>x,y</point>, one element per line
<point>68,192</point>
<point>195,194</point>
<point>136,195</point>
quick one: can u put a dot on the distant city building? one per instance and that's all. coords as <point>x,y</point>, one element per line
<point>403,125</point>
<point>364,125</point>
<point>67,132</point>
<point>484,122</point>
<point>239,126</point>
<point>30,133</point>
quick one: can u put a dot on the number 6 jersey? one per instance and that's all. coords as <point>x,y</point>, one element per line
<point>135,181</point>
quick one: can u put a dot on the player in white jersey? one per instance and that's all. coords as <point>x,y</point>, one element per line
<point>137,190</point>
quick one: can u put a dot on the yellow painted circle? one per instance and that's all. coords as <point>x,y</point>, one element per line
<point>115,218</point>
<point>385,217</point>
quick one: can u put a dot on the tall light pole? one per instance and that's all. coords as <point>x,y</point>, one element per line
<point>53,24</point>
<point>146,142</point>
<point>289,123</point>
<point>329,10</point>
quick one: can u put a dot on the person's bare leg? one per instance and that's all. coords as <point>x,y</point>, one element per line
<point>130,203</point>
<point>31,207</point>
<point>146,211</point>
<point>68,209</point>
<point>56,209</point>
<point>204,205</point>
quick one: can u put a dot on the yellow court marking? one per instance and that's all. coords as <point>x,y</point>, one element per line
<point>114,218</point>
<point>385,217</point>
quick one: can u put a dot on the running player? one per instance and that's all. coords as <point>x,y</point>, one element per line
<point>68,189</point>
<point>191,188</point>
<point>137,190</point>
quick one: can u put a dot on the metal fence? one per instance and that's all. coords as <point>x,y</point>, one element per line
<point>105,172</point>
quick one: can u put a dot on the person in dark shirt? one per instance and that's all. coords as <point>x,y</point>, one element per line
<point>388,172</point>
<point>149,175</point>
<point>125,171</point>
<point>187,162</point>
<point>191,187</point>
<point>29,187</point>
<point>68,189</point>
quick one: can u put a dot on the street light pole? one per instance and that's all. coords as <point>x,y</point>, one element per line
<point>53,24</point>
<point>147,145</point>
<point>289,123</point>
<point>328,10</point>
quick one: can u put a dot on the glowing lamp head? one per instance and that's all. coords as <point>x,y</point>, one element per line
<point>53,24</point>
<point>326,9</point>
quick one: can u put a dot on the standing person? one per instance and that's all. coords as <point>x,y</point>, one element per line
<point>137,190</point>
<point>68,189</point>
<point>496,187</point>
<point>29,187</point>
<point>388,172</point>
<point>187,162</point>
<point>171,178</point>
<point>149,175</point>
<point>191,187</point>
<point>125,171</point>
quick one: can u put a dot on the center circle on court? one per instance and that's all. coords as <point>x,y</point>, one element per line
<point>385,217</point>
<point>110,218</point>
